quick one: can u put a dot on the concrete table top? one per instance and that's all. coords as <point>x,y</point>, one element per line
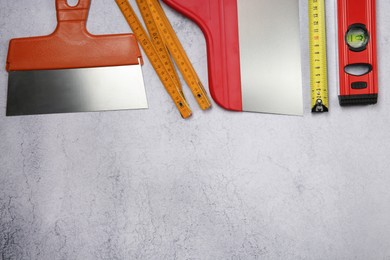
<point>148,185</point>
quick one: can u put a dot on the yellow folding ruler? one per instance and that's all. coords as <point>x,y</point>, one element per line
<point>163,39</point>
<point>318,62</point>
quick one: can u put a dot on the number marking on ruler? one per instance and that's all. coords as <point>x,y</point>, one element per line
<point>158,41</point>
<point>178,53</point>
<point>318,62</point>
<point>172,88</point>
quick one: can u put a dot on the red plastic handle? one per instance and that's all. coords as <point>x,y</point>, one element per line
<point>78,13</point>
<point>71,45</point>
<point>218,19</point>
<point>72,20</point>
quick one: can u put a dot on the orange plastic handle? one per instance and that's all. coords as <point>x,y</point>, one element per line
<point>71,45</point>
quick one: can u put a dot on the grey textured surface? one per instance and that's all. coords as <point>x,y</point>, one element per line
<point>222,185</point>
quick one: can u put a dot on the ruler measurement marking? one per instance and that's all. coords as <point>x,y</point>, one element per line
<point>165,43</point>
<point>154,58</point>
<point>318,62</point>
<point>158,41</point>
<point>179,55</point>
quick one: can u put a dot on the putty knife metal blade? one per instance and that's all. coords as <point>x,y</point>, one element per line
<point>75,90</point>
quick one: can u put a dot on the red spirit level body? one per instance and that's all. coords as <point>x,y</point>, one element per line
<point>358,70</point>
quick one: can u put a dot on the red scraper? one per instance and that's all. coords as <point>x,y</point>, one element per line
<point>72,70</point>
<point>253,47</point>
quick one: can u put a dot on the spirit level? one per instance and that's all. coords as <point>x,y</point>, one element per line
<point>358,71</point>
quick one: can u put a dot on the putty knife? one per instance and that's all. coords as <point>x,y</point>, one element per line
<point>74,71</point>
<point>254,57</point>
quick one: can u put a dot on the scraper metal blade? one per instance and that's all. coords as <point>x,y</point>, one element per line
<point>75,90</point>
<point>253,47</point>
<point>270,56</point>
<point>72,70</point>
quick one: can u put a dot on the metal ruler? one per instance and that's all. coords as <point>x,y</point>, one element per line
<point>163,38</point>
<point>318,59</point>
